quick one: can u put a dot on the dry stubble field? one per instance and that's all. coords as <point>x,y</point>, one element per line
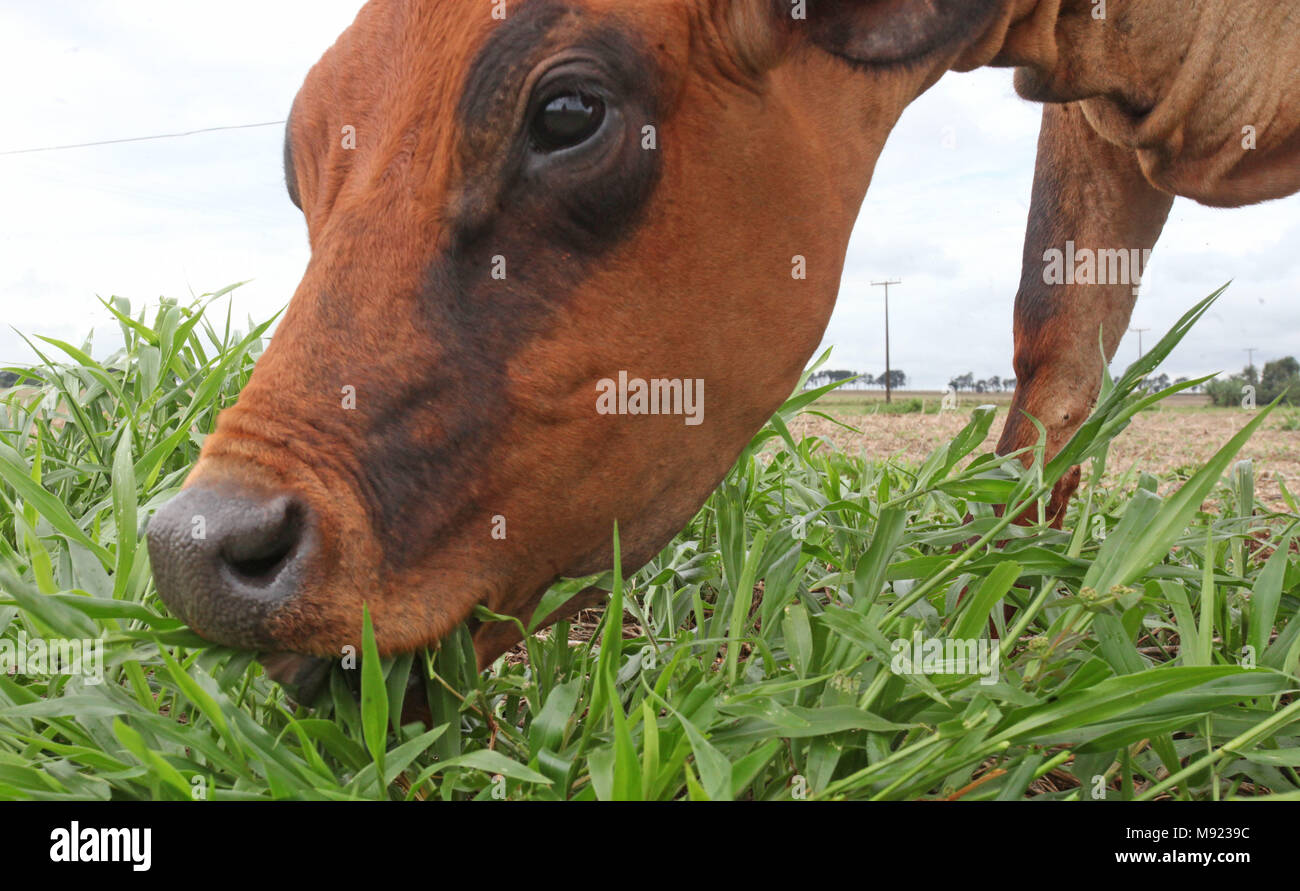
<point>1181,435</point>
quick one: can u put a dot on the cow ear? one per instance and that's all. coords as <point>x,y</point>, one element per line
<point>885,32</point>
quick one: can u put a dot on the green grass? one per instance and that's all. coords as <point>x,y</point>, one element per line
<point>750,659</point>
<point>852,403</point>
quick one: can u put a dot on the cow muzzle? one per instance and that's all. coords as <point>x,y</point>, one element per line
<point>227,559</point>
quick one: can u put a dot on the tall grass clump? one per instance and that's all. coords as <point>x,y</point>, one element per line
<point>782,646</point>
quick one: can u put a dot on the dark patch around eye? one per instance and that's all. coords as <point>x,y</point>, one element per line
<point>550,222</point>
<point>579,210</point>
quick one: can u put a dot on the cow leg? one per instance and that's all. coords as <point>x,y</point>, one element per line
<point>1092,193</point>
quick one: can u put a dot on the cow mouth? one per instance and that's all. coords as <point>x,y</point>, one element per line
<point>306,680</point>
<point>302,677</point>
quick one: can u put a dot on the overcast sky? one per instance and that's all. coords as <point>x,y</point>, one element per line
<point>946,212</point>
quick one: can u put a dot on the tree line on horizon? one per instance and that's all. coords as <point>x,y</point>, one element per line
<point>1281,377</point>
<point>898,381</point>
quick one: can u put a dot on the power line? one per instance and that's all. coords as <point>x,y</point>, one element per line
<point>889,374</point>
<point>59,148</point>
<point>1140,332</point>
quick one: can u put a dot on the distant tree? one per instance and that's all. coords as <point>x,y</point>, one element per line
<point>821,378</point>
<point>1281,377</point>
<point>1156,383</point>
<point>1280,369</point>
<point>12,379</point>
<point>1226,391</point>
<point>897,379</point>
<point>1009,383</point>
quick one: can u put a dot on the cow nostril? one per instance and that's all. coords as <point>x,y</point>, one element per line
<point>226,558</point>
<point>258,560</point>
<point>262,569</point>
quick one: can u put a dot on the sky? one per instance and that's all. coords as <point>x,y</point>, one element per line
<point>180,217</point>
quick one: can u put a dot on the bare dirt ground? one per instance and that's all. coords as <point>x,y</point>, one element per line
<point>1181,437</point>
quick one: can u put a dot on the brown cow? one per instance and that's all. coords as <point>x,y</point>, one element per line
<point>506,212</point>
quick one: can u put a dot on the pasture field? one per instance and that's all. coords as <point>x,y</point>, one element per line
<point>872,401</point>
<point>782,646</point>
<point>1169,440</point>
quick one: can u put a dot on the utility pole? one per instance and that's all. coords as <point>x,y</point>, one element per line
<point>1140,332</point>
<point>1250,356</point>
<point>889,384</point>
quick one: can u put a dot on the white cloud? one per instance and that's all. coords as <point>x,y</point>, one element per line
<point>148,219</point>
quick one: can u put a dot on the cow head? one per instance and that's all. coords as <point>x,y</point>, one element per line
<point>503,214</point>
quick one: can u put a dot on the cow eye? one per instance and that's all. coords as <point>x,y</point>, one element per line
<point>566,120</point>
